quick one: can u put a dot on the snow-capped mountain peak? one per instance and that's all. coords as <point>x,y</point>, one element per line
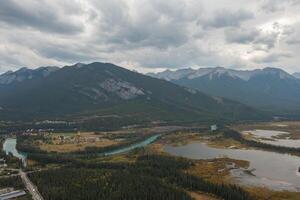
<point>173,75</point>
<point>217,72</point>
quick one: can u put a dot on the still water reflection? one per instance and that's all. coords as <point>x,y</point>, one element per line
<point>273,170</point>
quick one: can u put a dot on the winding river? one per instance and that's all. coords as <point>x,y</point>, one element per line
<point>133,146</point>
<point>273,170</point>
<point>9,146</point>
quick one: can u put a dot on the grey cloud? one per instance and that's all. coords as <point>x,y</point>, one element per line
<point>278,5</point>
<point>261,40</point>
<point>227,18</point>
<point>293,41</point>
<point>272,6</point>
<point>160,24</point>
<point>39,15</point>
<point>9,60</point>
<point>293,38</point>
<point>241,35</point>
<point>66,55</point>
<point>272,57</point>
<point>266,41</point>
<point>144,33</point>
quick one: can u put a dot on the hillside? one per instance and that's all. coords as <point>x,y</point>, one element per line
<point>104,90</point>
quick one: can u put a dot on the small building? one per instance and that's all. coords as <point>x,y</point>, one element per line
<point>214,127</point>
<point>62,137</point>
<point>91,139</point>
<point>12,195</point>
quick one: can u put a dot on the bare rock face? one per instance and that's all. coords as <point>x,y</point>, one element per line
<point>121,88</point>
<point>219,100</point>
<point>190,90</point>
<point>93,93</point>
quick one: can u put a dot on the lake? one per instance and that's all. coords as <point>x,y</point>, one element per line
<point>273,170</point>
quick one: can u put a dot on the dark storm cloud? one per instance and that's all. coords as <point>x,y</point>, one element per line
<point>38,15</point>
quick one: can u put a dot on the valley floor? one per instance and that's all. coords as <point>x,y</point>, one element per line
<point>59,170</point>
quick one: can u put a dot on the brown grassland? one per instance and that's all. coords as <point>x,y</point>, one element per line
<point>75,142</point>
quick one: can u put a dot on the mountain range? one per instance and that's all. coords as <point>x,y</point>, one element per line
<point>269,89</point>
<point>24,73</point>
<point>103,90</point>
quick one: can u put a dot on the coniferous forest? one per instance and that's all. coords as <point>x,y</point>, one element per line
<point>150,177</point>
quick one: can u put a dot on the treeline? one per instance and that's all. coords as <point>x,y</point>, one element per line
<point>13,181</point>
<point>77,184</point>
<point>11,160</point>
<point>150,177</point>
<point>26,143</point>
<point>170,169</point>
<point>99,124</point>
<point>2,140</point>
<point>229,133</point>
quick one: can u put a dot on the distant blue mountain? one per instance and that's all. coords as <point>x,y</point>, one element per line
<point>270,89</point>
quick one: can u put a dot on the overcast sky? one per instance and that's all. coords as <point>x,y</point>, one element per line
<point>150,35</point>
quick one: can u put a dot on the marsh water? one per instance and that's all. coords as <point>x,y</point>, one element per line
<point>273,170</point>
<point>270,137</point>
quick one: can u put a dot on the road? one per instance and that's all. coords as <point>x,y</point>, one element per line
<point>31,187</point>
<point>18,174</point>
